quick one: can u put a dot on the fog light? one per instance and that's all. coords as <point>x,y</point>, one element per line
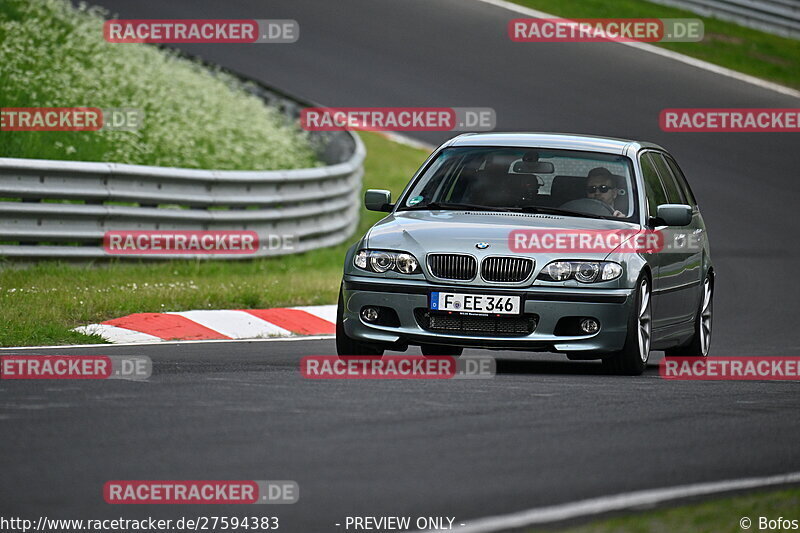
<point>590,325</point>
<point>369,314</point>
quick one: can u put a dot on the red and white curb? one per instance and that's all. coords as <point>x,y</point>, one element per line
<point>217,325</point>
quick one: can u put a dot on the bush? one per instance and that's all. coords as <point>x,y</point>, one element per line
<point>54,55</point>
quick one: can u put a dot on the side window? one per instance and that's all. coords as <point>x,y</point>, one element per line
<point>674,194</point>
<point>682,183</point>
<point>652,184</point>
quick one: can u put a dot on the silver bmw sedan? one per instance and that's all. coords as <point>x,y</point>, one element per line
<point>588,246</point>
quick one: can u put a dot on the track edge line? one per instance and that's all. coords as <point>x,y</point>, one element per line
<point>619,502</point>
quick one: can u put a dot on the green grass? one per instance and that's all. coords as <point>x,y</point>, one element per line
<point>726,44</point>
<point>40,302</point>
<point>714,516</point>
<point>54,55</point>
<point>194,118</point>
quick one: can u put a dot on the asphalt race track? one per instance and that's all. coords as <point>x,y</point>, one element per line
<point>540,433</point>
<point>544,431</point>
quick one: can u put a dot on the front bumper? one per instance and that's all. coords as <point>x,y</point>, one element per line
<point>548,304</point>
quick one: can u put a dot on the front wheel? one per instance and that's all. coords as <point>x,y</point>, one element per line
<point>344,344</point>
<point>700,342</point>
<point>632,359</point>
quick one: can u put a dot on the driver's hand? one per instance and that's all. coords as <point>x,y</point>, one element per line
<point>618,213</point>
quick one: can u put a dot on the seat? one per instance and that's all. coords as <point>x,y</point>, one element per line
<point>622,202</point>
<point>493,186</point>
<point>567,188</point>
<point>483,188</point>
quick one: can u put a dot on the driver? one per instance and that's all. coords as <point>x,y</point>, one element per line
<point>601,185</point>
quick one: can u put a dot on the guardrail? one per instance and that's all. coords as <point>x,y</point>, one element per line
<point>64,208</point>
<point>781,17</point>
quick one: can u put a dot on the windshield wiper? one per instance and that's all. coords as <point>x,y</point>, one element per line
<point>447,205</point>
<point>557,211</point>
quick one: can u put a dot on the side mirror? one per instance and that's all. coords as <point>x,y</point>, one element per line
<point>378,200</point>
<point>674,214</point>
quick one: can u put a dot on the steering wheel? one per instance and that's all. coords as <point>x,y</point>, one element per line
<point>590,206</point>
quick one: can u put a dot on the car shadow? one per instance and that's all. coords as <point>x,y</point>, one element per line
<point>566,367</point>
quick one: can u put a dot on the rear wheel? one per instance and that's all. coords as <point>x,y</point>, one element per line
<point>700,342</point>
<point>344,344</point>
<point>632,359</point>
<point>441,349</point>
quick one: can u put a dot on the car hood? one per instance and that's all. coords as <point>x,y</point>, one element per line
<point>422,232</point>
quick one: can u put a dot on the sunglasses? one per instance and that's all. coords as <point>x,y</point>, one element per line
<point>596,188</point>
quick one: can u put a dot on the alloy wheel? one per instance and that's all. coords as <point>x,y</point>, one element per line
<point>645,320</point>
<point>705,318</point>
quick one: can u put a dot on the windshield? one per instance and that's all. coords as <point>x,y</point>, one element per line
<point>528,180</point>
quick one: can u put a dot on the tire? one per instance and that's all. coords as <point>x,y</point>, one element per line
<point>441,349</point>
<point>632,359</point>
<point>344,344</point>
<point>700,342</point>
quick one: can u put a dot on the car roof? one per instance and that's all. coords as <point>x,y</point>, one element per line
<point>564,141</point>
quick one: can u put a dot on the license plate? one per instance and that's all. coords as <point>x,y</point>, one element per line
<point>475,303</point>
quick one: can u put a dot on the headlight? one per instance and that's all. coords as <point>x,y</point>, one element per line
<point>610,271</point>
<point>583,271</point>
<point>558,270</point>
<point>360,260</point>
<point>406,263</point>
<point>587,272</point>
<point>380,261</point>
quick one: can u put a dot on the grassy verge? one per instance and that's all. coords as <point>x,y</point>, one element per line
<point>726,44</point>
<point>716,516</point>
<point>39,303</point>
<point>54,55</point>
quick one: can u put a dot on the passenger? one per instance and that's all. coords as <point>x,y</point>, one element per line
<point>601,185</point>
